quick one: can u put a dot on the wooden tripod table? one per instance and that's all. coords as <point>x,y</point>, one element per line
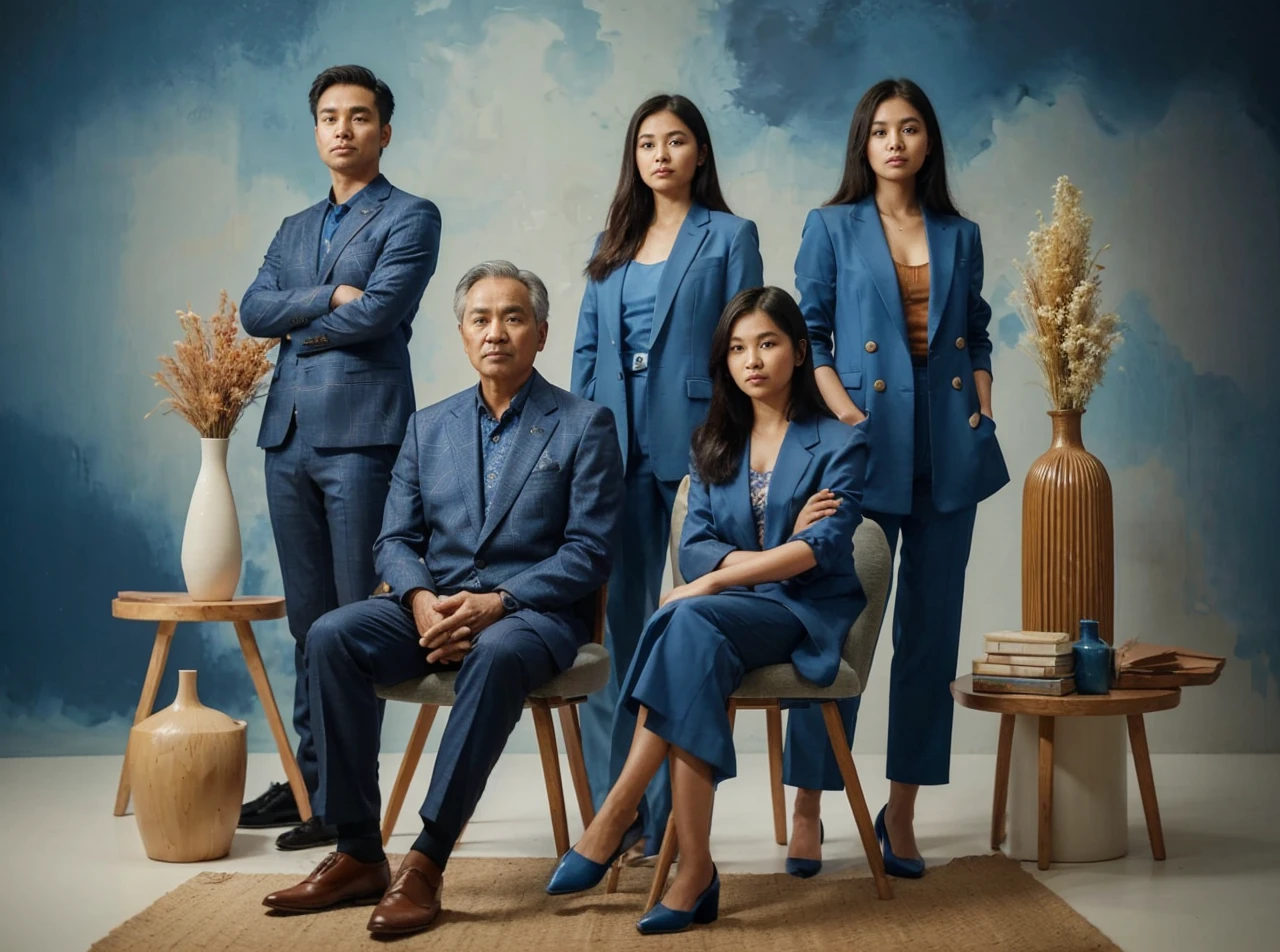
<point>1132,704</point>
<point>169,608</point>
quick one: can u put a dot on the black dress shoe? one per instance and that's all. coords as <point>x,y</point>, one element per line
<point>312,833</point>
<point>276,807</point>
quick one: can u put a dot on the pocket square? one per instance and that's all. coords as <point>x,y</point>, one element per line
<point>546,465</point>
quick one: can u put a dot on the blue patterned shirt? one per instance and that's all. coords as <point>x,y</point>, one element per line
<point>332,219</point>
<point>496,439</point>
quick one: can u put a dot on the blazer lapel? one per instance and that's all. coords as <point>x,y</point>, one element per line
<point>464,442</point>
<point>692,234</point>
<point>311,237</point>
<point>609,300</point>
<point>871,244</point>
<point>941,234</point>
<point>351,225</point>
<point>731,504</point>
<point>532,432</point>
<point>794,460</point>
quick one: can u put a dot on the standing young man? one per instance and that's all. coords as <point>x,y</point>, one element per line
<point>340,286</point>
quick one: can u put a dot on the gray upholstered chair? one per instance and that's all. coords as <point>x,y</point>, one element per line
<point>564,692</point>
<point>764,688</point>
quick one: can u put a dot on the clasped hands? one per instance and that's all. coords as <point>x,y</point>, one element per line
<point>821,504</point>
<point>447,627</point>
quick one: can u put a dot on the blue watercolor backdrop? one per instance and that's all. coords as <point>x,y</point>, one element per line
<point>154,148</point>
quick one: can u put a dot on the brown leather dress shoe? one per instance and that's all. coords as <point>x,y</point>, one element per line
<point>413,901</point>
<point>339,880</point>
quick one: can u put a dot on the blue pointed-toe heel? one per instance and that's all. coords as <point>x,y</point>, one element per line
<point>575,873</point>
<point>660,920</point>
<point>807,868</point>
<point>895,865</point>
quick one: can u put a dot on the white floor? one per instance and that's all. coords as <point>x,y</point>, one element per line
<point>72,871</point>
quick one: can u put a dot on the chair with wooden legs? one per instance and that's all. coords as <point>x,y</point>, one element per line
<point>563,693</point>
<point>765,688</point>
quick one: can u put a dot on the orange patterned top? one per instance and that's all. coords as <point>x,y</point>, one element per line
<point>913,285</point>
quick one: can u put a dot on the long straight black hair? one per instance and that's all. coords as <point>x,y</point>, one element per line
<point>859,180</point>
<point>631,211</point>
<point>719,443</point>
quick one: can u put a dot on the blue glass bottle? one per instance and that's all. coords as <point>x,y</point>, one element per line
<point>1093,660</point>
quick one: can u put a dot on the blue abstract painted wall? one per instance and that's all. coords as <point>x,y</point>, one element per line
<point>152,148</point>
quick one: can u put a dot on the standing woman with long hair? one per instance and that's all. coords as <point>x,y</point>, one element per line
<point>670,258</point>
<point>767,547</point>
<point>890,281</point>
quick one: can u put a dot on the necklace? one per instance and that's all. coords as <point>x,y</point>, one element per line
<point>884,214</point>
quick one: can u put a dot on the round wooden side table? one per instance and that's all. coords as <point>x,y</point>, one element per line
<point>1131,704</point>
<point>169,608</point>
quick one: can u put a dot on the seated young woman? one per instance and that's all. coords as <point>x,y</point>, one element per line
<point>775,494</point>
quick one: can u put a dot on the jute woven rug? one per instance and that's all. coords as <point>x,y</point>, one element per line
<point>977,902</point>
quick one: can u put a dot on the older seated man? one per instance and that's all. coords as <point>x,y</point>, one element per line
<point>497,532</point>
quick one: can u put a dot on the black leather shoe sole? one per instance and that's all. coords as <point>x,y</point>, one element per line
<point>306,836</point>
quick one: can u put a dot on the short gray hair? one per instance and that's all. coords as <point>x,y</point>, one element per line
<point>498,268</point>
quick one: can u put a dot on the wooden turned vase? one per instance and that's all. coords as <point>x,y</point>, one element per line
<point>187,766</point>
<point>1068,545</point>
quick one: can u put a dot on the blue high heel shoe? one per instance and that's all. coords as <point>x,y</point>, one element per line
<point>660,920</point>
<point>575,873</point>
<point>895,865</point>
<point>806,868</point>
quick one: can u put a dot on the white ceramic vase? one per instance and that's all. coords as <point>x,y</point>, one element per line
<point>211,554</point>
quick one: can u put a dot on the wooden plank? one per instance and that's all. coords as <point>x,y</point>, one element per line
<point>178,606</point>
<point>1044,840</point>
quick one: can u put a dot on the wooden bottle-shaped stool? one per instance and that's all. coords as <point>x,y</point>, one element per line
<point>187,766</point>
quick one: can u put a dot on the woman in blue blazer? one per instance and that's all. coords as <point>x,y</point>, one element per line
<point>775,494</point>
<point>890,278</point>
<point>670,258</point>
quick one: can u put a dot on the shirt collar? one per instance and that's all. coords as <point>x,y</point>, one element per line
<point>354,200</point>
<point>517,402</point>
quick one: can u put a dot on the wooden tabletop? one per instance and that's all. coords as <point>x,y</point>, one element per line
<point>1073,705</point>
<point>178,606</point>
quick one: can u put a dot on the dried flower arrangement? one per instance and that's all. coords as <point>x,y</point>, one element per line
<point>214,374</point>
<point>1059,302</point>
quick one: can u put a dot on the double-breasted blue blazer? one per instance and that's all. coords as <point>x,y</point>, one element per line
<point>850,299</point>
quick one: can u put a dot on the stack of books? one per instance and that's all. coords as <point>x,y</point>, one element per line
<point>1026,662</point>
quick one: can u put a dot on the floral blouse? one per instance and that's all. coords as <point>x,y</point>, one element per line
<point>759,483</point>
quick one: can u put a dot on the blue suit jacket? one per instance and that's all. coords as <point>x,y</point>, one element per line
<point>818,453</point>
<point>551,518</point>
<point>345,371</point>
<point>849,290</point>
<point>714,257</point>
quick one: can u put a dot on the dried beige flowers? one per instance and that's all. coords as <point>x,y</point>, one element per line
<point>214,373</point>
<point>1058,301</point>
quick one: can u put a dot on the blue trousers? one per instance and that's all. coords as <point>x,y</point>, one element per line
<point>692,656</point>
<point>326,513</point>
<point>635,585</point>
<point>358,646</point>
<point>926,640</point>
